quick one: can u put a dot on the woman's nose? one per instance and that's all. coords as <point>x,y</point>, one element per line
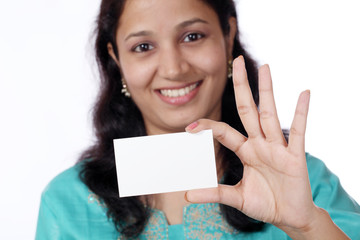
<point>172,64</point>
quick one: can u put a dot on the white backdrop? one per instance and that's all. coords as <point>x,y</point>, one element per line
<point>48,83</point>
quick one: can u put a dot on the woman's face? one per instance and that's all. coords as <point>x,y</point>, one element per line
<point>173,57</point>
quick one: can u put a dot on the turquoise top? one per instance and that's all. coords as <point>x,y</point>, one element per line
<point>69,210</point>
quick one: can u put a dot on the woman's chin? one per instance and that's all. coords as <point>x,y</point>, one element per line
<point>169,126</point>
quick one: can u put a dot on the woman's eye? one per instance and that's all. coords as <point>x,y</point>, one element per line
<point>143,47</point>
<point>193,37</point>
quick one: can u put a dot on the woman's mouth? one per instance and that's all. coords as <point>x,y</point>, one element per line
<point>179,96</point>
<point>178,92</point>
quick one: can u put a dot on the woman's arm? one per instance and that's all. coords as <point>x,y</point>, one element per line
<point>47,226</point>
<point>320,227</point>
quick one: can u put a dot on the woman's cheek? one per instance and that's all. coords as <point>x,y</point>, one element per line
<point>138,76</point>
<point>211,59</point>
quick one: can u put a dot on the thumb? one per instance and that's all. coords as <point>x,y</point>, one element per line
<point>223,194</point>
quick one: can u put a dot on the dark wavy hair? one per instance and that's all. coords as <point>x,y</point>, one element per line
<point>116,116</point>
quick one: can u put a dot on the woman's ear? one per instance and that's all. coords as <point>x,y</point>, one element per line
<point>231,35</point>
<point>112,53</point>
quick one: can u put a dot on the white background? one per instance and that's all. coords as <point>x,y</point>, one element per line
<point>48,84</point>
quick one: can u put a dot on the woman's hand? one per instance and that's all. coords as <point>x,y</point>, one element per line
<point>275,186</point>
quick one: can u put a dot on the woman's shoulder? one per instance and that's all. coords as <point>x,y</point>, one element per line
<point>67,190</point>
<point>314,162</point>
<point>320,175</point>
<point>66,182</point>
<point>319,172</point>
<point>69,210</point>
<point>322,180</point>
<point>70,174</point>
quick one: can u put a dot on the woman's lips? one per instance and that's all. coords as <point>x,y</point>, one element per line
<point>179,96</point>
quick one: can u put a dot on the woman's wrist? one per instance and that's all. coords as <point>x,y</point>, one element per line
<point>320,227</point>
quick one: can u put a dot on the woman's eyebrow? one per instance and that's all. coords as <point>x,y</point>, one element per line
<point>190,22</point>
<point>179,26</point>
<point>138,34</point>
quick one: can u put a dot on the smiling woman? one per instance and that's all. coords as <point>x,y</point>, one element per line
<point>162,60</point>
<point>166,66</point>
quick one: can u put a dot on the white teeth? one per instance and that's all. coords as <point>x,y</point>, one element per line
<point>178,92</point>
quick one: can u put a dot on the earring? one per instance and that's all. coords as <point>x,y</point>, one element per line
<point>124,89</point>
<point>230,68</point>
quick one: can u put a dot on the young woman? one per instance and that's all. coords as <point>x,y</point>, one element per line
<point>166,66</point>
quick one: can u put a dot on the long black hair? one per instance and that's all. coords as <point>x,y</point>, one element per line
<point>116,116</point>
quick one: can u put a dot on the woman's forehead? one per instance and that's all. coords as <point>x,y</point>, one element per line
<point>142,5</point>
<point>147,12</point>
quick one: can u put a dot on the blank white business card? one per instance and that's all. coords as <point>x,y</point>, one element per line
<point>165,163</point>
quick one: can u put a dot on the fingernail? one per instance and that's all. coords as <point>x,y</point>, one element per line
<point>191,126</point>
<point>238,59</point>
<point>238,62</point>
<point>308,92</point>
<point>186,197</point>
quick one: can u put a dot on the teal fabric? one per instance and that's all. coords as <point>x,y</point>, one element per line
<point>176,232</point>
<point>69,210</point>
